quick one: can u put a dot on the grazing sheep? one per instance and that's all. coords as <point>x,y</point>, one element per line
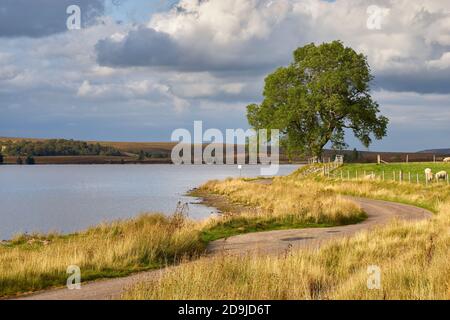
<point>441,175</point>
<point>428,174</point>
<point>370,177</point>
<point>447,159</point>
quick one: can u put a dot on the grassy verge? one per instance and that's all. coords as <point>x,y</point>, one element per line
<point>35,262</point>
<point>238,226</point>
<point>254,206</point>
<point>413,257</point>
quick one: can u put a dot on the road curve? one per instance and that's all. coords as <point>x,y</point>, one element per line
<point>274,242</point>
<point>271,242</point>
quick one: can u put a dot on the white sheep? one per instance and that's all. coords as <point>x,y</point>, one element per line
<point>441,175</point>
<point>428,174</point>
<point>447,159</point>
<point>370,177</point>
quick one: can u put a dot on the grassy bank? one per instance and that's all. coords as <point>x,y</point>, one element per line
<point>413,257</point>
<point>30,263</point>
<point>427,196</point>
<point>413,260</point>
<point>391,172</point>
<point>253,206</point>
<point>34,262</point>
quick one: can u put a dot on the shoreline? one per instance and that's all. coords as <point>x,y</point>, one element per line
<point>62,162</point>
<point>193,200</point>
<point>273,241</point>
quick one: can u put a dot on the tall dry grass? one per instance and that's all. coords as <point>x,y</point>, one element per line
<point>304,200</point>
<point>430,197</point>
<point>30,263</point>
<point>413,257</point>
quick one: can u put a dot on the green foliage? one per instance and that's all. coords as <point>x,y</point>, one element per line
<point>238,226</point>
<point>313,101</point>
<point>157,155</point>
<point>58,147</point>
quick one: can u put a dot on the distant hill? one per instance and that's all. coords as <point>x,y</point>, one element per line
<point>437,151</point>
<point>56,147</point>
<point>125,147</point>
<point>160,152</point>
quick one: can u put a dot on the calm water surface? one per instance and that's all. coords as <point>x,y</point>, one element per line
<point>71,198</point>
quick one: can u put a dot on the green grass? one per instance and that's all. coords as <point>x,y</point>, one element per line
<point>243,225</point>
<point>393,168</point>
<point>429,196</point>
<point>253,206</point>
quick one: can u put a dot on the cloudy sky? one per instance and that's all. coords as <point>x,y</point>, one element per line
<point>138,69</point>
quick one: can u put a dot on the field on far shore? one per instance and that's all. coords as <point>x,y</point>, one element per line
<point>162,152</point>
<point>60,160</point>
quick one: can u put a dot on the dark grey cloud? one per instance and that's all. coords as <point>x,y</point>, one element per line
<point>146,47</point>
<point>141,47</point>
<point>38,18</point>
<point>420,82</point>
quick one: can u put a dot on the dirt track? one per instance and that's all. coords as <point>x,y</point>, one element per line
<point>272,242</point>
<point>275,242</point>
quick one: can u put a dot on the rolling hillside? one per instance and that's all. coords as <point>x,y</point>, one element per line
<point>437,151</point>
<point>159,152</point>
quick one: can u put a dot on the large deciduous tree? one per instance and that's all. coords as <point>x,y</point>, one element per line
<point>317,98</point>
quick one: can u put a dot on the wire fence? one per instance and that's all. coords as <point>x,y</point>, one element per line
<point>331,171</point>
